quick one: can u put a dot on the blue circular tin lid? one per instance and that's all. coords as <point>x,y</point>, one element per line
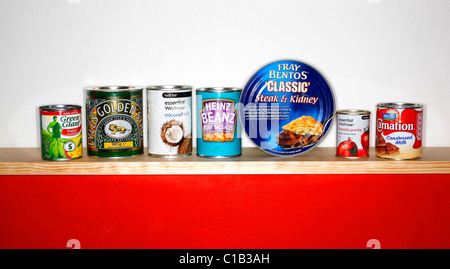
<point>287,108</point>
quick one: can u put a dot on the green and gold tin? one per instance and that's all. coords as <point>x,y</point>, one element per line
<point>115,119</point>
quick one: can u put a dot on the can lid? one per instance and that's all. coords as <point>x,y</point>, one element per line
<point>353,112</point>
<point>399,105</point>
<point>169,88</point>
<point>113,88</point>
<point>264,121</point>
<point>219,89</point>
<point>59,107</point>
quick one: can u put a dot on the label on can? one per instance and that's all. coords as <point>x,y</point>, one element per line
<point>218,130</point>
<point>218,120</point>
<point>169,122</point>
<point>115,124</point>
<point>61,135</point>
<point>352,134</point>
<point>287,108</point>
<point>399,132</point>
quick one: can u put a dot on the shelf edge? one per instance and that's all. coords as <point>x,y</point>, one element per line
<point>248,167</point>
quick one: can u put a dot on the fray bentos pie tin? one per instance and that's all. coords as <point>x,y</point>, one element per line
<point>287,108</point>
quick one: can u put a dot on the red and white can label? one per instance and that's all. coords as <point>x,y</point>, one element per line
<point>399,133</point>
<point>353,134</point>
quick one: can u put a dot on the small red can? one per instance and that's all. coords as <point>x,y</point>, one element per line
<point>352,133</point>
<point>399,130</point>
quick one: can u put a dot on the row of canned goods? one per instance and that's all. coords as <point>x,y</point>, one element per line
<point>115,123</point>
<point>286,109</point>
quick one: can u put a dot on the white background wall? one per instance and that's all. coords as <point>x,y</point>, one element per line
<point>370,50</point>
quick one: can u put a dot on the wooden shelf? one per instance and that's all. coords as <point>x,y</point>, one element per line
<point>321,160</point>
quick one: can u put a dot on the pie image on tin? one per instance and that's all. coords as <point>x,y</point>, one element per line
<point>300,132</point>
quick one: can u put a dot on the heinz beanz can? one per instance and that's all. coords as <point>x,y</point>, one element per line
<point>218,130</point>
<point>169,110</point>
<point>353,133</point>
<point>115,118</point>
<point>61,132</point>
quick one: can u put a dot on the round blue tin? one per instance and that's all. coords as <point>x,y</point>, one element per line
<point>218,130</point>
<point>287,108</point>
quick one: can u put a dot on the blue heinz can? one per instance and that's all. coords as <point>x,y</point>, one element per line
<point>218,129</point>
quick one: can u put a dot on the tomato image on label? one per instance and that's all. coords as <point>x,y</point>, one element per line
<point>365,140</point>
<point>347,148</point>
<point>362,153</point>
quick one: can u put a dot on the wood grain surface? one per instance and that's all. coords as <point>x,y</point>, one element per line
<point>321,160</point>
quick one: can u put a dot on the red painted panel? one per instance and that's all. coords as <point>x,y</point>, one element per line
<point>225,211</point>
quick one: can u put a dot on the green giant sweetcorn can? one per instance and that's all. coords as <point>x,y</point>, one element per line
<point>115,119</point>
<point>60,132</point>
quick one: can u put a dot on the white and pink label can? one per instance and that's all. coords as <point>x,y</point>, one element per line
<point>352,133</point>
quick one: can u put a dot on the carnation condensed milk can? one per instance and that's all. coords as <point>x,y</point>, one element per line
<point>169,110</point>
<point>115,121</point>
<point>218,129</point>
<point>61,132</point>
<point>399,130</point>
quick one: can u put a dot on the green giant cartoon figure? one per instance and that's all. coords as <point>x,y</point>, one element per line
<point>55,144</point>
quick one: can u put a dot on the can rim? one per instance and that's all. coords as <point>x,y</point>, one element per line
<point>59,107</point>
<point>168,87</point>
<point>219,89</point>
<point>353,112</point>
<point>113,88</point>
<point>399,105</point>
